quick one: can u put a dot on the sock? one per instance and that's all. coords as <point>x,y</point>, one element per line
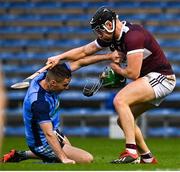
<point>147,157</point>
<point>22,155</point>
<point>132,148</point>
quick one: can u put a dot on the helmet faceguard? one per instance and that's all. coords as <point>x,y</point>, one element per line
<point>108,79</point>
<point>102,15</point>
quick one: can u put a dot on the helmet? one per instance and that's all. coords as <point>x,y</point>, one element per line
<point>108,79</point>
<point>111,79</point>
<point>99,19</point>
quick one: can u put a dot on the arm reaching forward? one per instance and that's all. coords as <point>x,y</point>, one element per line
<point>74,54</point>
<point>75,65</point>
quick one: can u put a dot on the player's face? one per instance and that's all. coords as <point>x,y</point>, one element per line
<point>58,87</point>
<point>102,33</point>
<point>106,36</point>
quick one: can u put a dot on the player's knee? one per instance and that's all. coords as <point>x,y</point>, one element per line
<point>88,158</point>
<point>118,101</point>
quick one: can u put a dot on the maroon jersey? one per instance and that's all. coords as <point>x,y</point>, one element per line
<point>134,38</point>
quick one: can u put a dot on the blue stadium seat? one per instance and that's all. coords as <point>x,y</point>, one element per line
<point>129,17</point>
<point>4,5</point>
<point>161,17</point>
<point>14,112</point>
<point>74,5</point>
<point>173,4</point>
<point>43,43</point>
<point>16,131</point>
<point>164,29</point>
<point>70,95</point>
<point>164,132</point>
<point>16,95</point>
<point>174,96</point>
<point>13,43</point>
<point>169,43</point>
<point>21,69</point>
<point>178,82</point>
<point>26,55</point>
<point>50,4</point>
<point>176,69</point>
<point>24,5</point>
<point>86,130</point>
<point>9,29</point>
<point>87,112</point>
<point>125,4</point>
<point>78,95</point>
<point>152,4</point>
<point>164,112</point>
<point>173,56</point>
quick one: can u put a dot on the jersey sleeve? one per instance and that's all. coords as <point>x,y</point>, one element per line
<point>135,42</point>
<point>40,111</point>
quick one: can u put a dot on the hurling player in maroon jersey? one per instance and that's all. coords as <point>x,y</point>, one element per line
<point>146,65</point>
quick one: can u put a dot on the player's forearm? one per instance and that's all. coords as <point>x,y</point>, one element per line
<point>94,59</point>
<point>53,142</point>
<point>127,73</point>
<point>80,52</point>
<point>75,65</point>
<point>74,54</point>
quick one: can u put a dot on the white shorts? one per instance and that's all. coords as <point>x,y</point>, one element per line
<point>161,84</point>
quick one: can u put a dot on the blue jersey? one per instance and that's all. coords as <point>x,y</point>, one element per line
<point>39,106</point>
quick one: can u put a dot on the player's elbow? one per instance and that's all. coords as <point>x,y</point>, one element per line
<point>49,134</point>
<point>133,75</point>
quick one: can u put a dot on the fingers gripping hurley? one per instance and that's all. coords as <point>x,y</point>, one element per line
<point>25,83</point>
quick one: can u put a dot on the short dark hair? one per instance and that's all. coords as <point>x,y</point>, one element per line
<point>59,72</point>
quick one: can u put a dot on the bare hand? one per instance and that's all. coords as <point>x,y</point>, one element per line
<point>68,161</point>
<point>117,57</point>
<point>54,60</point>
<point>115,67</point>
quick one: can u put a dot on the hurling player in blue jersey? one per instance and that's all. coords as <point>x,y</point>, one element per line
<point>41,117</point>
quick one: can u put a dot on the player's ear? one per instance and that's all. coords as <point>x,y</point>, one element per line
<point>53,83</point>
<point>109,24</point>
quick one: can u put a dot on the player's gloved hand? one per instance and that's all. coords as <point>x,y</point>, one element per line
<point>54,60</point>
<point>68,161</point>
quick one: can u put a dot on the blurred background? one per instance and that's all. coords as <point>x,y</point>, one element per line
<point>33,30</point>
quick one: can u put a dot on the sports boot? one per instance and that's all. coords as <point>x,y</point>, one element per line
<point>125,157</point>
<point>13,156</point>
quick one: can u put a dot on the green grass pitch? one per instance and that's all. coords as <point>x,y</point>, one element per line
<point>104,150</point>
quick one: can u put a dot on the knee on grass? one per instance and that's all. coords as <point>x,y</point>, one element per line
<point>88,158</point>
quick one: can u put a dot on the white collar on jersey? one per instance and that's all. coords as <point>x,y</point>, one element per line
<point>123,29</point>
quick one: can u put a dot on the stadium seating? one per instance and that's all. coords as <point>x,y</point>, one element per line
<point>33,30</point>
